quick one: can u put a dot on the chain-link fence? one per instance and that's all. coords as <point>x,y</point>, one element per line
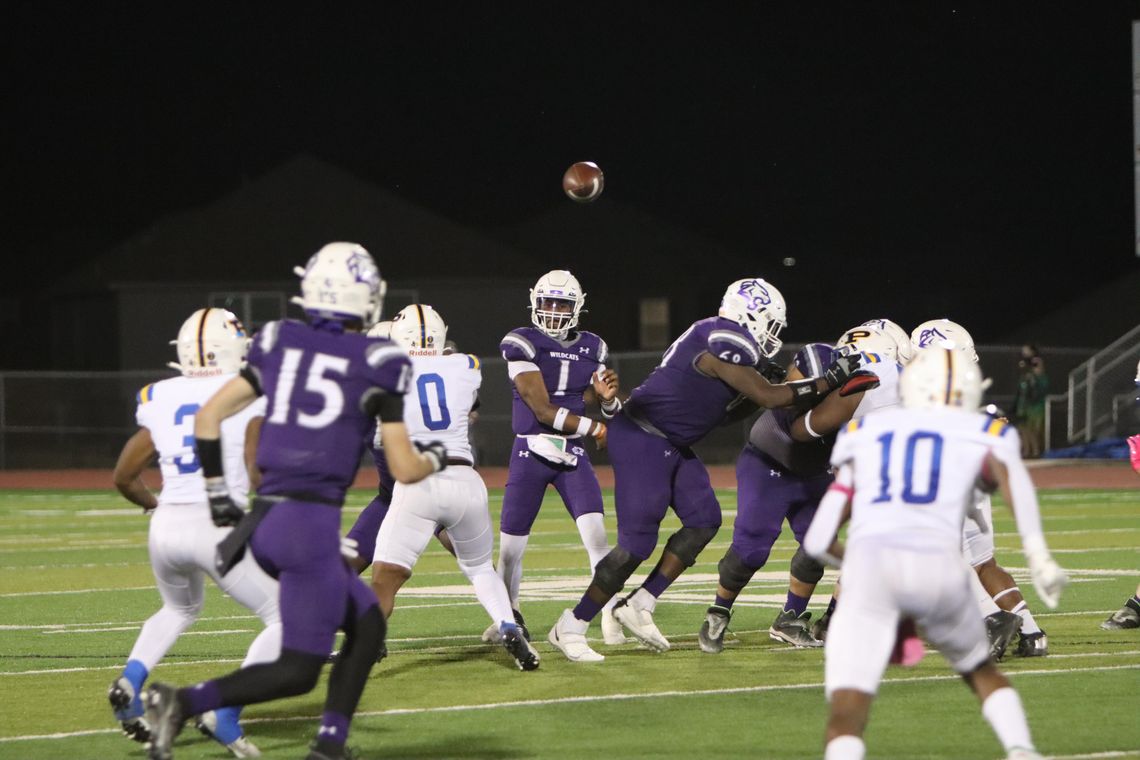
<point>81,419</point>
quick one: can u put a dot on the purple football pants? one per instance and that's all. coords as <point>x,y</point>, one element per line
<point>527,478</point>
<point>298,543</point>
<point>650,475</point>
<point>766,494</point>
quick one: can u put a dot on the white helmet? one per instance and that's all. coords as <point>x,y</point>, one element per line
<point>211,342</point>
<point>381,330</point>
<point>941,377</point>
<point>945,334</point>
<point>556,286</point>
<point>341,282</point>
<point>420,330</point>
<point>905,351</point>
<point>757,306</point>
<point>870,339</point>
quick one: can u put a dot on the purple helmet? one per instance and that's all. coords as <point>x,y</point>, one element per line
<point>814,358</point>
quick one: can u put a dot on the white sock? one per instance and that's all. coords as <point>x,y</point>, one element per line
<point>158,635</point>
<point>984,601</point>
<point>844,747</point>
<point>592,529</point>
<point>1003,710</point>
<point>643,600</point>
<point>1028,624</point>
<point>266,647</point>
<point>511,550</point>
<point>491,592</point>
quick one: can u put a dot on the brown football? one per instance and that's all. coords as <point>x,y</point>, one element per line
<point>583,182</point>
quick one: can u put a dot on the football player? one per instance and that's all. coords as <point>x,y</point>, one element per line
<point>212,346</point>
<point>711,372</point>
<point>446,389</point>
<point>1006,612</point>
<point>360,542</point>
<point>554,368</point>
<point>324,381</point>
<point>906,478</point>
<point>782,474</point>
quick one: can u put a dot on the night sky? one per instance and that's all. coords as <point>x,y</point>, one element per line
<point>921,147</point>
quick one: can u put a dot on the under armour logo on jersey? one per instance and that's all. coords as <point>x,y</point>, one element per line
<point>583,349</point>
<point>774,473</point>
<point>669,453</point>
<point>524,453</point>
<point>330,730</point>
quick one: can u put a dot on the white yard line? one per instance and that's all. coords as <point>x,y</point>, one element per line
<point>599,698</point>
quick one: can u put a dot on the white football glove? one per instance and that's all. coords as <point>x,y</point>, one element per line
<point>349,548</point>
<point>1048,577</point>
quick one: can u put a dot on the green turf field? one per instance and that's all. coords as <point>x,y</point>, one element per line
<point>76,586</point>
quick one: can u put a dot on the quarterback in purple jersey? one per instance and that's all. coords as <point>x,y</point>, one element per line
<point>554,367</point>
<point>325,382</point>
<point>708,373</point>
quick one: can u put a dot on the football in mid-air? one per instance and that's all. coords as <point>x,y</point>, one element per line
<point>583,182</point>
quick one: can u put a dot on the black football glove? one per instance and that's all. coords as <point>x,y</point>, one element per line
<point>774,373</point>
<point>841,370</point>
<point>223,511</point>
<point>436,452</point>
<point>859,382</point>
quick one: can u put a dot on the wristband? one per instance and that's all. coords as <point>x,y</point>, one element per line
<point>210,455</point>
<point>807,425</point>
<point>585,425</point>
<point>560,418</point>
<point>804,392</point>
<point>611,407</point>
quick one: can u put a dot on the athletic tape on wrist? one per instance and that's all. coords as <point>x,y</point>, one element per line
<point>560,418</point>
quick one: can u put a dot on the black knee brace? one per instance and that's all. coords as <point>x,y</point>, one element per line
<point>804,568</point>
<point>687,543</point>
<point>734,574</point>
<point>614,569</point>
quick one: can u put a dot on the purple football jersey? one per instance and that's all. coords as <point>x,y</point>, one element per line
<point>683,403</point>
<point>566,366</point>
<point>317,380</point>
<point>771,435</point>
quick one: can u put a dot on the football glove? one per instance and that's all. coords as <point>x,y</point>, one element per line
<point>1048,577</point>
<point>859,382</point>
<point>223,511</point>
<point>841,370</point>
<point>436,452</point>
<point>774,373</point>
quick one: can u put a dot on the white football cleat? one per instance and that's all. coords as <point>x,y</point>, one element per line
<point>569,636</point>
<point>612,633</point>
<point>1024,754</point>
<point>635,612</point>
<point>492,635</point>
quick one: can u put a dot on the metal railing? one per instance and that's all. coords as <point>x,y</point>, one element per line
<point>1095,387</point>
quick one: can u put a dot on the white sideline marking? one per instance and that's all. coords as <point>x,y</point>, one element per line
<point>135,628</point>
<point>621,697</point>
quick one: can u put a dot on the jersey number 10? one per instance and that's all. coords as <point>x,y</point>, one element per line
<point>910,494</point>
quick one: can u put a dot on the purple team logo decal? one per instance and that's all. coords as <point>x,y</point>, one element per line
<point>756,294</point>
<point>929,337</point>
<point>362,268</point>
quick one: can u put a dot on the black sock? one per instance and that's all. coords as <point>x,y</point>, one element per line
<point>362,643</point>
<point>291,674</point>
<point>1134,603</point>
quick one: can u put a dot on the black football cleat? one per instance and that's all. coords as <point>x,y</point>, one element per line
<point>1001,628</point>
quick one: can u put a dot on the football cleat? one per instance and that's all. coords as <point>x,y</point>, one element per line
<point>1032,645</point>
<point>1125,617</point>
<point>819,627</point>
<point>229,734</point>
<point>569,636</point>
<point>711,636</point>
<point>521,624</point>
<point>494,636</point>
<point>319,751</point>
<point>165,718</point>
<point>128,709</point>
<point>612,633</point>
<point>1001,627</point>
<point>639,622</point>
<point>793,629</point>
<point>525,655</point>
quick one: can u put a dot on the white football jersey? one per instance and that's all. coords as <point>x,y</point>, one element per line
<point>886,395</point>
<point>915,471</point>
<point>442,391</point>
<point>167,409</point>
